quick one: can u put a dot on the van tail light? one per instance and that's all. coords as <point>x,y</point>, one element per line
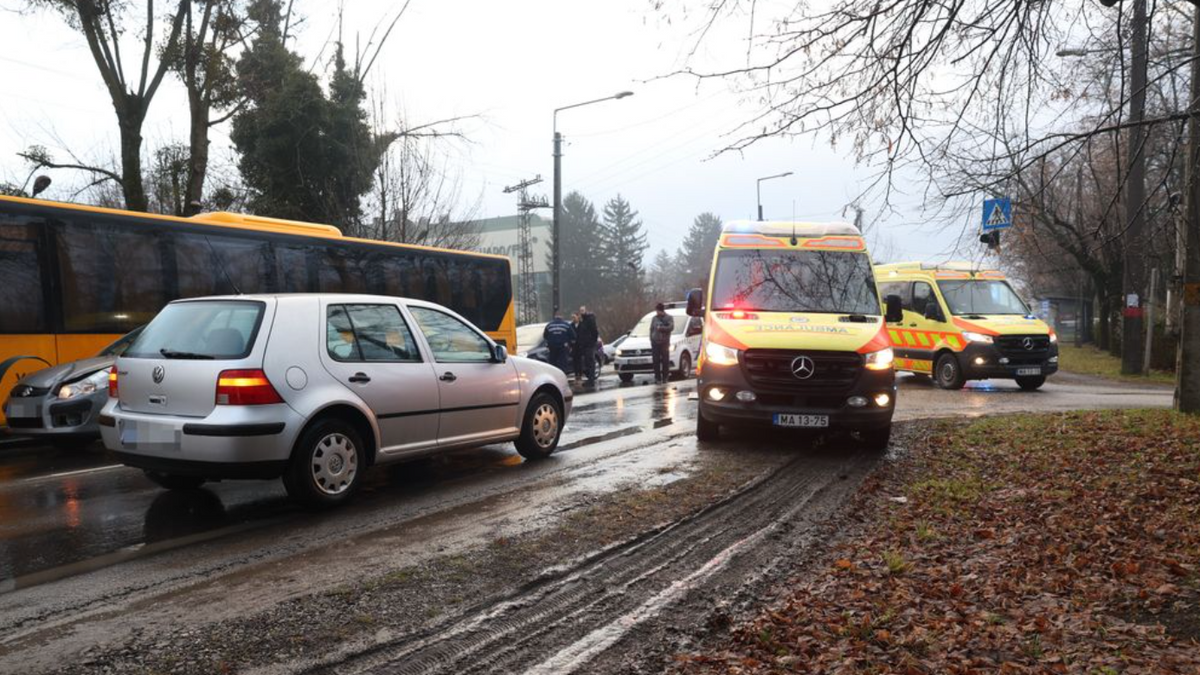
<point>245,387</point>
<point>112,382</point>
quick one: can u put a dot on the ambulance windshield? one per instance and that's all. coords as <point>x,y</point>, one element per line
<point>981,297</point>
<point>830,282</point>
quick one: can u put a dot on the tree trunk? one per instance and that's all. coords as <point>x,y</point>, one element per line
<point>197,154</point>
<point>1187,370</point>
<point>130,124</point>
<point>1105,342</point>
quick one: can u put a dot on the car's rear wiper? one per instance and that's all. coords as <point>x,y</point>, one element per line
<point>172,354</point>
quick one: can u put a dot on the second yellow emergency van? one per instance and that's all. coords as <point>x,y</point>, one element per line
<point>964,323</point>
<point>794,333</point>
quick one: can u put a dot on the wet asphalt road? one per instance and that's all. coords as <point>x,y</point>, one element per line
<point>65,513</point>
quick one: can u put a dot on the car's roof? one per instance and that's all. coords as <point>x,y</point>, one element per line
<point>341,297</point>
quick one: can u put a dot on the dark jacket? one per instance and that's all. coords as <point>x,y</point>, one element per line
<point>661,328</point>
<point>558,333</point>
<point>588,332</point>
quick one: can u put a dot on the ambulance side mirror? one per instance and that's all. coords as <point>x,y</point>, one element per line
<point>695,302</point>
<point>895,311</point>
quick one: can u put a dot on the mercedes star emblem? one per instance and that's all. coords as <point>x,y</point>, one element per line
<point>803,367</point>
<point>158,374</point>
<point>1027,343</point>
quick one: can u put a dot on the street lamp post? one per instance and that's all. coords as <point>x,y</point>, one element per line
<point>556,272</point>
<point>758,189</point>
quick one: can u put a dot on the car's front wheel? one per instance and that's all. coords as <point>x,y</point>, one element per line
<point>626,377</point>
<point>705,429</point>
<point>541,428</point>
<point>1031,383</point>
<point>685,366</point>
<point>173,481</point>
<point>947,373</point>
<point>875,440</point>
<point>327,465</point>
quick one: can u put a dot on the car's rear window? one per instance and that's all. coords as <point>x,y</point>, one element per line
<point>216,329</point>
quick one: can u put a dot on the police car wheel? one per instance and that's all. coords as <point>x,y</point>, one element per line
<point>947,373</point>
<point>626,377</point>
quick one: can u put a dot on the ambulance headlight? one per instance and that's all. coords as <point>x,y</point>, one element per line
<point>720,354</point>
<point>977,337</point>
<point>880,360</point>
<point>1054,338</point>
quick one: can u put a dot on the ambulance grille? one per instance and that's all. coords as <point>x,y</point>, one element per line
<point>1015,345</point>
<point>770,370</point>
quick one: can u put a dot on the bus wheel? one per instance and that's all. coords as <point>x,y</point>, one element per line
<point>947,373</point>
<point>706,430</point>
<point>1031,383</point>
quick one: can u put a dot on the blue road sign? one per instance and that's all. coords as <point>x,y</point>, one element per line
<point>997,214</point>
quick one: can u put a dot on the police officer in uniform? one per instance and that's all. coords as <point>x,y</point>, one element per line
<point>559,334</point>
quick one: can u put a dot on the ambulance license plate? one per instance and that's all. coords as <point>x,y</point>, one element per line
<point>1021,372</point>
<point>807,421</point>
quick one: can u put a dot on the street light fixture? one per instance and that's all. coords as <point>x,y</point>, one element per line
<point>758,189</point>
<point>556,271</point>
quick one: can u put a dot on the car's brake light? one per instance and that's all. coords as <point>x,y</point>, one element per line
<point>112,382</point>
<point>245,387</point>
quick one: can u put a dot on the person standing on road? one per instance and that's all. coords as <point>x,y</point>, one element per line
<point>661,328</point>
<point>586,337</point>
<point>576,355</point>
<point>558,335</point>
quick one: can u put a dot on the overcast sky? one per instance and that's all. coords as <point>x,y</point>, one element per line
<point>511,63</point>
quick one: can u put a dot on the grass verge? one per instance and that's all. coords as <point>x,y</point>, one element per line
<point>1088,360</point>
<point>1062,543</point>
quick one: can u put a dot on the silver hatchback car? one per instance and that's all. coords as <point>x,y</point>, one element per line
<point>315,388</point>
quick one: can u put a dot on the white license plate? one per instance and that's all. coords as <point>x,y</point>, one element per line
<point>790,420</point>
<point>137,434</point>
<point>23,409</point>
<point>640,362</point>
<point>1029,371</point>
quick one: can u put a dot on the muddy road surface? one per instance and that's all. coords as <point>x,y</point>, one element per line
<point>471,562</point>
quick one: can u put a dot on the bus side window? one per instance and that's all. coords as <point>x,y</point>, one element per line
<point>22,306</point>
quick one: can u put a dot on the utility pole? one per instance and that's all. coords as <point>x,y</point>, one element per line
<point>1150,321</point>
<point>1134,267</point>
<point>556,234</point>
<point>1187,370</point>
<point>527,300</point>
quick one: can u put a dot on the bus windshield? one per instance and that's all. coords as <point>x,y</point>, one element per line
<point>981,297</point>
<point>832,282</point>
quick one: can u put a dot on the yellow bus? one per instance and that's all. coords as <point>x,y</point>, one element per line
<point>74,278</point>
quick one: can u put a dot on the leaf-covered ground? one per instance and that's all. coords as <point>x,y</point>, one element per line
<point>1030,544</point>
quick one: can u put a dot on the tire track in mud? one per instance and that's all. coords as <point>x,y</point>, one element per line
<point>561,622</point>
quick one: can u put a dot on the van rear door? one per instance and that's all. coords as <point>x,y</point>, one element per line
<point>172,367</point>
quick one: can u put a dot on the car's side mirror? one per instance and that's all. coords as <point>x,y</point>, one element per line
<point>695,302</point>
<point>499,353</point>
<point>895,311</point>
<point>933,312</point>
<point>695,329</point>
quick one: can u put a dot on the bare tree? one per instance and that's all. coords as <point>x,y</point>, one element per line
<point>103,25</point>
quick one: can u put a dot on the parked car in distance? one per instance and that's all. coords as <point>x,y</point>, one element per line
<point>316,388</point>
<point>610,349</point>
<point>538,350</point>
<point>61,404</point>
<point>633,356</point>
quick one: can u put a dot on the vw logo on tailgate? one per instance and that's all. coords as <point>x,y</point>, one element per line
<point>158,374</point>
<point>803,367</point>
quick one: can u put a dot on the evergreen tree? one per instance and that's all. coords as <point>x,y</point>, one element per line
<point>695,255</point>
<point>304,156</point>
<point>621,247</point>
<point>580,227</point>
<point>664,277</point>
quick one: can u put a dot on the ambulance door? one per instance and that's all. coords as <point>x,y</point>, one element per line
<point>928,320</point>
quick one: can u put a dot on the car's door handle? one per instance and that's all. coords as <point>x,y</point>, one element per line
<point>448,377</point>
<point>360,378</point>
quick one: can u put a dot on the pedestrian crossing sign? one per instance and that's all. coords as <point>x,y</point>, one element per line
<point>997,214</point>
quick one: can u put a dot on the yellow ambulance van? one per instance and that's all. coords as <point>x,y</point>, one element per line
<point>794,333</point>
<point>964,323</point>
